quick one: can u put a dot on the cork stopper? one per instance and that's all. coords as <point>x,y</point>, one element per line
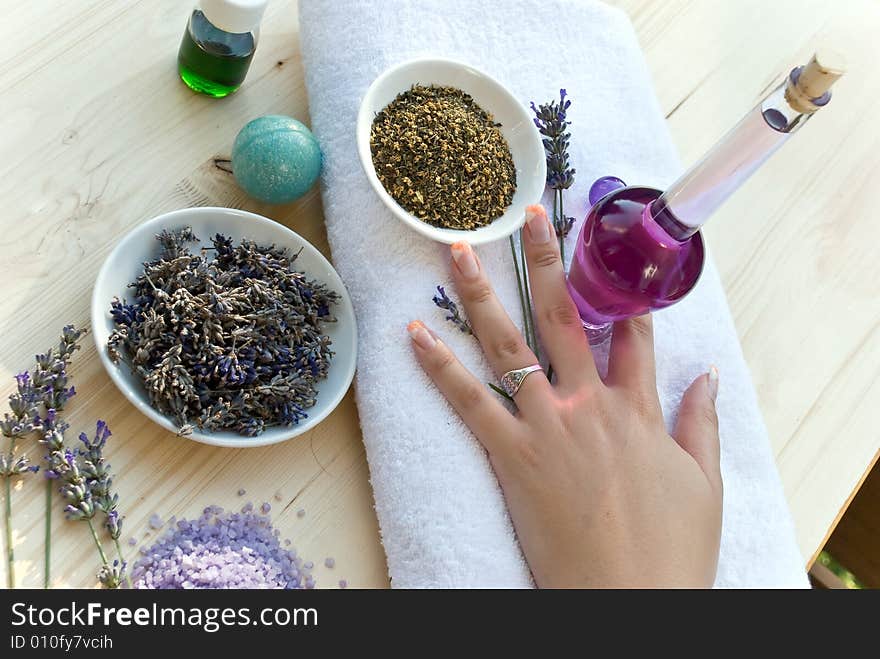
<point>809,86</point>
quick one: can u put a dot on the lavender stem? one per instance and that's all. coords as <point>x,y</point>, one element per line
<point>528,295</point>
<point>97,543</point>
<point>519,288</point>
<point>10,555</point>
<point>47,540</point>
<point>561,229</point>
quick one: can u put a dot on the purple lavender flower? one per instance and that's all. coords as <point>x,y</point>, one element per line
<point>46,385</point>
<point>113,524</point>
<point>15,465</point>
<point>552,122</point>
<point>96,469</point>
<point>23,403</point>
<point>443,301</point>
<point>74,487</point>
<point>550,118</point>
<point>111,575</point>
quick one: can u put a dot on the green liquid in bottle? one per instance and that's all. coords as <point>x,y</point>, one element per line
<point>212,61</point>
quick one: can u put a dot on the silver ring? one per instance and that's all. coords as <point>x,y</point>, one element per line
<point>512,380</point>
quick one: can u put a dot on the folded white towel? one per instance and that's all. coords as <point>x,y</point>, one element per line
<point>441,512</point>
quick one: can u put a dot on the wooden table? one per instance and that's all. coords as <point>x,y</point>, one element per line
<point>97,135</point>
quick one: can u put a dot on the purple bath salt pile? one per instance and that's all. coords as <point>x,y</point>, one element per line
<point>220,550</point>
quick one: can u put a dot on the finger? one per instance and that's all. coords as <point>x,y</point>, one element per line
<point>502,342</point>
<point>631,358</point>
<point>559,322</point>
<point>479,409</point>
<point>697,428</point>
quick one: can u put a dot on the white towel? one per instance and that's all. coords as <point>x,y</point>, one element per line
<point>441,512</point>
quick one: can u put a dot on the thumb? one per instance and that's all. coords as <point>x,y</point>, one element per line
<point>697,428</point>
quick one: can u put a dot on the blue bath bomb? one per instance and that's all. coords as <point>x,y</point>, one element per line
<point>276,159</point>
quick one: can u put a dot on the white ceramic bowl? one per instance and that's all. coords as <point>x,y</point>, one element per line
<point>516,126</point>
<point>125,263</point>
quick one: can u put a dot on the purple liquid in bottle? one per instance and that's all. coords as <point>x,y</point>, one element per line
<point>640,249</point>
<point>626,263</point>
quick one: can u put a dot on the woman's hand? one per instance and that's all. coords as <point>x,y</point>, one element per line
<point>599,493</point>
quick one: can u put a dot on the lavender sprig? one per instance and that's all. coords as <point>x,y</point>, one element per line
<point>86,486</point>
<point>552,122</point>
<point>443,301</point>
<point>51,373</point>
<point>16,424</point>
<point>47,386</point>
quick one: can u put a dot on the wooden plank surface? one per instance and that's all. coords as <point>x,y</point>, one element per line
<point>98,135</point>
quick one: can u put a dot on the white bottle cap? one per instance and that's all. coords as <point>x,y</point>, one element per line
<point>236,16</point>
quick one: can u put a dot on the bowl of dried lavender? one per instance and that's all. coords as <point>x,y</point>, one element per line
<point>225,327</point>
<point>450,151</point>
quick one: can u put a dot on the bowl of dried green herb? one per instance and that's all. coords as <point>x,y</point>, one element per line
<point>450,151</point>
<point>225,327</point>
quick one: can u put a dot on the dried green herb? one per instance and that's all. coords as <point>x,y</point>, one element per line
<point>232,342</point>
<point>442,158</point>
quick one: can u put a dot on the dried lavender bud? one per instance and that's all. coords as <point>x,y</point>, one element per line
<point>219,550</point>
<point>301,513</point>
<point>113,524</point>
<point>229,343</point>
<point>565,229</point>
<point>343,583</point>
<point>442,157</point>
<point>23,403</point>
<point>132,541</point>
<point>329,562</point>
<point>15,465</point>
<point>265,508</point>
<point>242,492</point>
<point>445,302</point>
<point>111,576</point>
<point>155,522</point>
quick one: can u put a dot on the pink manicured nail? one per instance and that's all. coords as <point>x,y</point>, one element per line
<point>712,382</point>
<point>420,335</point>
<point>465,259</point>
<point>539,226</point>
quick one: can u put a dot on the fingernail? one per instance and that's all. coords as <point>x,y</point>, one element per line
<point>712,382</point>
<point>465,259</point>
<point>420,335</point>
<point>539,226</point>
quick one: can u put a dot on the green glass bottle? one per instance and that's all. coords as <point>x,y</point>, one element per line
<point>218,45</point>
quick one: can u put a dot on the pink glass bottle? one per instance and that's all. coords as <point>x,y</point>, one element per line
<point>640,249</point>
